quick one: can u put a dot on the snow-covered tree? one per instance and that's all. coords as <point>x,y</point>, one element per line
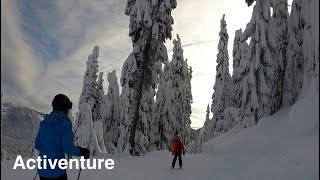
<point>72,119</point>
<point>98,129</point>
<point>208,113</point>
<point>143,130</point>
<point>224,90</point>
<point>221,94</point>
<point>249,2</point>
<point>207,129</point>
<point>128,69</point>
<point>239,55</point>
<point>182,97</point>
<point>100,103</point>
<point>85,135</point>
<point>282,57</point>
<point>188,109</point>
<point>164,121</point>
<point>310,9</point>
<point>293,77</point>
<point>89,93</point>
<point>189,97</point>
<point>230,114</point>
<point>258,68</point>
<point>128,97</point>
<point>92,96</point>
<point>111,113</point>
<point>194,146</point>
<point>279,27</point>
<point>100,94</point>
<point>150,25</point>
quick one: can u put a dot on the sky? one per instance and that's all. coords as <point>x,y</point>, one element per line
<point>45,45</point>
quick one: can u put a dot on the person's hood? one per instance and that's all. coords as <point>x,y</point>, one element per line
<point>54,118</point>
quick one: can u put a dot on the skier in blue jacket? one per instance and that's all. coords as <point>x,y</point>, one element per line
<point>55,138</point>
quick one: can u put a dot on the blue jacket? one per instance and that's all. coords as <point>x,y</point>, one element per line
<point>55,139</point>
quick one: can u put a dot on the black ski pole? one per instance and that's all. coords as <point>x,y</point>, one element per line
<point>35,177</point>
<point>79,173</point>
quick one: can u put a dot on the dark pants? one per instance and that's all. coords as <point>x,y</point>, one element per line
<point>175,159</point>
<point>63,177</point>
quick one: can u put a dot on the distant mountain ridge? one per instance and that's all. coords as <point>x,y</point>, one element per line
<point>18,126</point>
<point>19,122</point>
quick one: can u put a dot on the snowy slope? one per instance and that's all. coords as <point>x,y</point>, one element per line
<point>282,146</point>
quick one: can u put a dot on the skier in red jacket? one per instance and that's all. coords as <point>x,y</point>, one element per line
<point>178,149</point>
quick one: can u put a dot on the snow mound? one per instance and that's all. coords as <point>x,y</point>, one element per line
<point>282,146</point>
<point>304,116</point>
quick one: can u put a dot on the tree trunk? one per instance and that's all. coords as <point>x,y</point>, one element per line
<point>135,111</point>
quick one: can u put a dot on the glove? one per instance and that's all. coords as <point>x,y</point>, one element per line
<point>184,153</point>
<point>84,152</point>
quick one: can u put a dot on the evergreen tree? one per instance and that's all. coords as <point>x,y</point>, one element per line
<point>279,26</point>
<point>100,103</point>
<point>293,77</point>
<point>89,92</point>
<point>85,135</point>
<point>163,123</point>
<point>126,98</point>
<point>194,146</point>
<point>182,96</point>
<point>258,68</point>
<point>98,129</point>
<point>221,96</point>
<point>188,110</point>
<point>143,131</point>
<point>89,116</point>
<point>208,113</point>
<point>150,25</point>
<point>189,92</point>
<point>207,129</point>
<point>111,113</point>
<point>310,10</point>
<point>239,55</point>
<point>249,2</point>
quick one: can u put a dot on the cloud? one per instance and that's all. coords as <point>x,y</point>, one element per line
<point>20,66</point>
<point>197,117</point>
<point>107,31</point>
<point>46,45</point>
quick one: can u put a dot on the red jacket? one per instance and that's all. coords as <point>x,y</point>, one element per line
<point>178,147</point>
<point>176,138</point>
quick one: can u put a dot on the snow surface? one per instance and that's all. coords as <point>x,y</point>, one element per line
<point>279,147</point>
